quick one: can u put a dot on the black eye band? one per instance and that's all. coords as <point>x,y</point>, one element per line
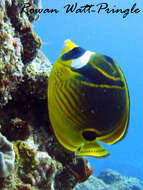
<point>89,135</point>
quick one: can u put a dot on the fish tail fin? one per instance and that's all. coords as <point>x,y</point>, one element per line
<point>93,149</point>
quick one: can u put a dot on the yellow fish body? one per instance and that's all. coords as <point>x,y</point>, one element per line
<point>88,100</point>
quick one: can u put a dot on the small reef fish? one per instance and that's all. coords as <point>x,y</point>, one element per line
<point>88,101</point>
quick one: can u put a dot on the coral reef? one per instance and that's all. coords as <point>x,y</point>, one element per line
<point>30,156</point>
<point>25,156</point>
<point>93,183</point>
<point>111,180</point>
<point>110,176</point>
<point>120,182</point>
<point>38,160</point>
<point>18,130</point>
<point>81,170</point>
<point>7,157</point>
<point>36,76</point>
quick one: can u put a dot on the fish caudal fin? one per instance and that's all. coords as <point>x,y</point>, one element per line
<point>93,149</point>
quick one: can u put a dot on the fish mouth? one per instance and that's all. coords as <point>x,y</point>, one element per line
<point>65,143</point>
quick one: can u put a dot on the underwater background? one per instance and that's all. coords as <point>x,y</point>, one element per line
<point>115,36</point>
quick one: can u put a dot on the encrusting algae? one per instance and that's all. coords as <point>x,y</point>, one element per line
<point>26,157</point>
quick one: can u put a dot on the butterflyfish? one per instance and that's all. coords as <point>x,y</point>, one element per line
<point>88,101</point>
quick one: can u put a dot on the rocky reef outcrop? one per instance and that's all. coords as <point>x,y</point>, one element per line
<point>30,156</point>
<point>7,157</point>
<point>111,180</point>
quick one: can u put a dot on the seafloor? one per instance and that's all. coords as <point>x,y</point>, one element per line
<point>30,157</point>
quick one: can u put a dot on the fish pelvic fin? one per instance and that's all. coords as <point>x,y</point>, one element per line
<point>92,149</point>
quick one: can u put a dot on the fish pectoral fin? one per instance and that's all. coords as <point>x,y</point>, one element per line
<point>93,149</point>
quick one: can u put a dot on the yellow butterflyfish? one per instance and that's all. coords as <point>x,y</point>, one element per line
<point>88,101</point>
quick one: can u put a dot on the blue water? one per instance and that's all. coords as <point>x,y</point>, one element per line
<point>115,36</point>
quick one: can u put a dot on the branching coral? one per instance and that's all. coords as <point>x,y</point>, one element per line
<point>7,157</point>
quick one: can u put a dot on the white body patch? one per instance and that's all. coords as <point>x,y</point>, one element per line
<point>82,61</point>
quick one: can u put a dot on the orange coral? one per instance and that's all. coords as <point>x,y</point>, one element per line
<point>82,170</point>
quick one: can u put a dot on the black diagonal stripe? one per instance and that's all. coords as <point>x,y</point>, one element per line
<point>110,60</point>
<point>92,75</point>
<point>64,104</point>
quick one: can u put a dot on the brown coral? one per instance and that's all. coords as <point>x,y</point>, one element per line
<point>18,129</point>
<point>26,156</point>
<point>81,170</point>
<point>24,187</point>
<point>50,171</point>
<point>28,179</point>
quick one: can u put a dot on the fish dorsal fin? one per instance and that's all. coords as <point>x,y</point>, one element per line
<point>93,149</point>
<point>68,46</point>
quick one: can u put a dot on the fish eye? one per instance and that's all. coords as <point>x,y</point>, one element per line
<point>89,135</point>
